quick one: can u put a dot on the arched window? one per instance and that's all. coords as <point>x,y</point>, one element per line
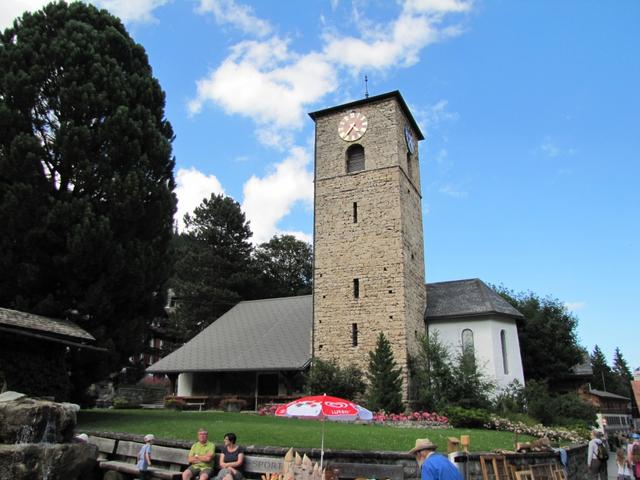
<point>467,340</point>
<point>355,158</point>
<point>503,342</point>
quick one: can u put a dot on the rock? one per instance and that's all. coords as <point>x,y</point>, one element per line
<point>50,462</point>
<point>10,396</point>
<point>28,420</point>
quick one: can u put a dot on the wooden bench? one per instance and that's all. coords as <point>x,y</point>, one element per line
<point>191,401</point>
<point>106,446</point>
<point>167,462</point>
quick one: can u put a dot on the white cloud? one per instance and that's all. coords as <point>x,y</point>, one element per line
<point>266,82</point>
<point>452,191</point>
<point>274,137</point>
<point>240,16</point>
<point>132,10</point>
<point>430,118</point>
<point>126,10</point>
<point>268,199</point>
<point>269,83</point>
<point>575,306</point>
<point>193,186</point>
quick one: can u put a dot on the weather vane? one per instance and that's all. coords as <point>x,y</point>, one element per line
<point>366,88</point>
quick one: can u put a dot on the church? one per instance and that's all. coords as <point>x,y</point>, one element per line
<point>369,277</point>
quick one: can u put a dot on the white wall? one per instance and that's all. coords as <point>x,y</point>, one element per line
<point>487,345</point>
<point>185,384</point>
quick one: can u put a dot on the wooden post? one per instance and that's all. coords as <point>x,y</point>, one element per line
<point>465,441</point>
<point>453,445</point>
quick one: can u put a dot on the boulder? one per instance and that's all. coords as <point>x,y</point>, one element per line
<point>48,461</point>
<point>29,420</point>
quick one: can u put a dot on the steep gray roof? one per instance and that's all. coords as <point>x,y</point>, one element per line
<point>465,298</point>
<point>273,334</point>
<point>603,394</point>
<point>18,322</point>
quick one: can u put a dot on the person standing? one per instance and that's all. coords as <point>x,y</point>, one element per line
<point>433,466</point>
<point>633,454</point>
<point>200,458</point>
<point>597,456</point>
<point>144,456</point>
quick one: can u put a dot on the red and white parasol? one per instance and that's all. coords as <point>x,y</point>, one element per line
<point>324,407</point>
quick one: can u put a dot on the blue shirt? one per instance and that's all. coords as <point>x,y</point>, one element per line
<point>438,467</point>
<point>142,459</point>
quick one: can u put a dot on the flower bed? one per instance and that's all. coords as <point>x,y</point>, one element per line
<point>505,425</point>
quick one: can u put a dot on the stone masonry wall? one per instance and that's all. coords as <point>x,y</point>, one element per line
<point>383,249</point>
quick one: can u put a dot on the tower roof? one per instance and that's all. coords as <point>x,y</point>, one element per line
<point>395,94</point>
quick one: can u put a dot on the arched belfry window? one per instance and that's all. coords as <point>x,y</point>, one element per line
<point>355,158</point>
<point>467,340</point>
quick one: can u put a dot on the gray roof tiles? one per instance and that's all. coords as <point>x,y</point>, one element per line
<point>465,298</point>
<point>28,322</point>
<point>273,334</point>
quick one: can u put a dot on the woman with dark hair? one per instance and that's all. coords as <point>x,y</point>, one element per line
<point>231,459</point>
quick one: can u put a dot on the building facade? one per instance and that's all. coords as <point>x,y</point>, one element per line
<point>368,243</point>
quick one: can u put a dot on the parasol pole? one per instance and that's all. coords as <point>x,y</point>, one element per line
<point>322,445</point>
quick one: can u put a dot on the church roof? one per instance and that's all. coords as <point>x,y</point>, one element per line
<point>375,98</point>
<point>17,322</point>
<point>273,334</point>
<point>465,298</point>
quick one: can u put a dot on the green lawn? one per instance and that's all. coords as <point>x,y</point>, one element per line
<point>253,429</point>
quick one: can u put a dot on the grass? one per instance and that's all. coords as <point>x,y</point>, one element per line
<point>253,429</point>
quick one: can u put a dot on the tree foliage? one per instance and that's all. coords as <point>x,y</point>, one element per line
<point>548,340</point>
<point>285,265</point>
<point>328,377</point>
<point>213,264</point>
<point>622,374</point>
<point>603,378</point>
<point>385,380</point>
<point>432,374</point>
<point>86,182</point>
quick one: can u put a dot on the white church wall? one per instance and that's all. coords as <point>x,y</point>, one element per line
<point>487,345</point>
<point>185,384</point>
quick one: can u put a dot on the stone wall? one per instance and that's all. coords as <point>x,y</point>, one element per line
<point>576,455</point>
<point>383,249</point>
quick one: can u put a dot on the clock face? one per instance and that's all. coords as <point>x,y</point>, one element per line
<point>411,144</point>
<point>352,126</point>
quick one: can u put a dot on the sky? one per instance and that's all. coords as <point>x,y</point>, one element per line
<point>530,109</point>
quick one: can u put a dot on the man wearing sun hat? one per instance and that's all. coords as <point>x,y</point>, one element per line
<point>433,466</point>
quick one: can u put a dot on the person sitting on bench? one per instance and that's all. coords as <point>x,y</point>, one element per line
<point>201,458</point>
<point>231,459</point>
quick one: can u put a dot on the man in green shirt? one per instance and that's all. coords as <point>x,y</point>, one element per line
<point>201,458</point>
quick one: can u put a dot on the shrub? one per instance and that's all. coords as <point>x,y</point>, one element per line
<point>121,403</point>
<point>460,417</point>
<point>232,404</point>
<point>385,379</point>
<point>327,377</point>
<point>174,403</point>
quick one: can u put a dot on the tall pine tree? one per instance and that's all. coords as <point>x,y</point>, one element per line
<point>385,381</point>
<point>603,378</point>
<point>213,266</point>
<point>622,374</point>
<point>86,180</point>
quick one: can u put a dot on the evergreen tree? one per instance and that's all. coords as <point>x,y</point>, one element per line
<point>86,180</point>
<point>622,374</point>
<point>432,374</point>
<point>603,378</point>
<point>385,381</point>
<point>213,265</point>
<point>285,265</point>
<point>470,388</point>
<point>547,335</point>
<point>328,377</point>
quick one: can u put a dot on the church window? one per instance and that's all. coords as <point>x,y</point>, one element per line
<point>355,158</point>
<point>503,342</point>
<point>355,212</point>
<point>354,334</point>
<point>356,288</point>
<point>467,340</point>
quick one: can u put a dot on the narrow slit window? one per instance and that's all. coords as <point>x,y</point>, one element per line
<point>409,165</point>
<point>354,334</point>
<point>467,341</point>
<point>356,288</point>
<point>503,342</point>
<point>355,212</point>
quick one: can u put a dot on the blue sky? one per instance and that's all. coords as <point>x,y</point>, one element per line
<point>531,112</point>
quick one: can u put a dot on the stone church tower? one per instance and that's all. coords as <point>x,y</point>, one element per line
<point>368,244</point>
